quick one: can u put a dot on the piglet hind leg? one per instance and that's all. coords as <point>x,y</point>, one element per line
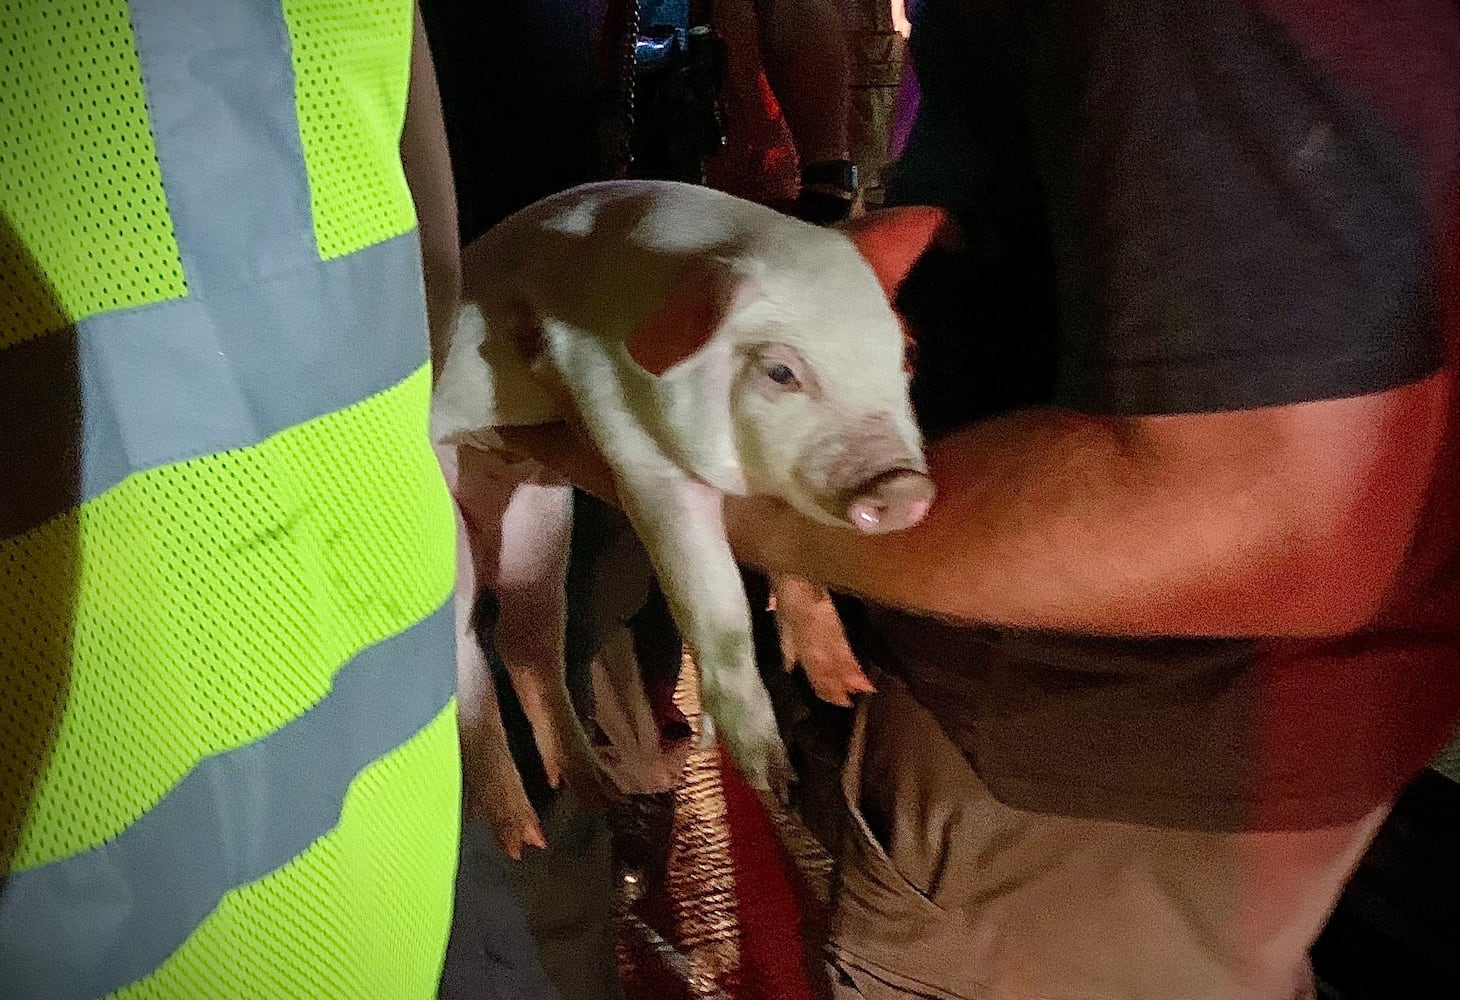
<point>681,522</point>
<point>491,786</point>
<point>536,525</point>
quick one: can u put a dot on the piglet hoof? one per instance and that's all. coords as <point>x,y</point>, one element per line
<point>772,772</point>
<point>550,751</point>
<point>838,682</point>
<point>761,759</point>
<point>569,758</point>
<point>494,793</point>
<point>708,733</point>
<point>567,755</point>
<point>515,828</point>
<point>811,634</point>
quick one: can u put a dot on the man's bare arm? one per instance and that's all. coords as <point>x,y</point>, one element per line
<point>1290,520</point>
<point>427,163</point>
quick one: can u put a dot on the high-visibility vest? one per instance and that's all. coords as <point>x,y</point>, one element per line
<point>226,549</point>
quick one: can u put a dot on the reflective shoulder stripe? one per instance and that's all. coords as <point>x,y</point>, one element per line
<point>268,335</point>
<point>220,91</point>
<point>90,924</point>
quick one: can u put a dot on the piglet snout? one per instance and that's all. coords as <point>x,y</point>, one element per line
<point>890,502</point>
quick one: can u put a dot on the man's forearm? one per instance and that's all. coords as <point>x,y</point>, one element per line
<point>1042,520</point>
<point>427,163</point>
<point>1260,523</point>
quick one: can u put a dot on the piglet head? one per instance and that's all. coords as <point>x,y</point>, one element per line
<point>795,341</point>
<point>824,423</point>
<point>819,398</point>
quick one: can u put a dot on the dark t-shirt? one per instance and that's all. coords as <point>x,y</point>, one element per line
<point>1178,206</point>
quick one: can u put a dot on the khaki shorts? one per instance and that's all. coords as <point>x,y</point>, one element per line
<point>945,892</point>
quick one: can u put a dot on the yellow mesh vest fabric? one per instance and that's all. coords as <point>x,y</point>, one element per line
<point>81,189</point>
<point>351,69</point>
<point>281,938</point>
<point>215,599</point>
<point>338,518</point>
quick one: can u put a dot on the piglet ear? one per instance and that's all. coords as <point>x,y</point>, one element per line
<point>892,239</point>
<point>702,298</point>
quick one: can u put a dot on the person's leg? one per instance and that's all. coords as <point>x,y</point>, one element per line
<point>568,894</point>
<point>491,954</point>
<point>804,53</point>
<point>803,46</point>
<point>876,54</point>
<point>541,928</point>
<point>946,892</point>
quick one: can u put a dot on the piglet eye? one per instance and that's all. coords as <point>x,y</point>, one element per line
<point>782,375</point>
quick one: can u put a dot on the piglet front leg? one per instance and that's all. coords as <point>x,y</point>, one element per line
<point>811,634</point>
<point>681,523</point>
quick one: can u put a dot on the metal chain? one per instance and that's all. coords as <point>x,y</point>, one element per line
<point>624,154</point>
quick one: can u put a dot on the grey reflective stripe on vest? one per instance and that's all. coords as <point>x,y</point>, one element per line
<point>167,382</point>
<point>219,78</point>
<point>200,375</point>
<point>229,364</point>
<point>267,337</point>
<point>90,924</point>
<point>193,377</point>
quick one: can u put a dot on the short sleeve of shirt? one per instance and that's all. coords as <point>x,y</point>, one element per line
<point>1236,222</point>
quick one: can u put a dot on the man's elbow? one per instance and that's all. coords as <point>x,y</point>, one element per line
<point>1337,584</point>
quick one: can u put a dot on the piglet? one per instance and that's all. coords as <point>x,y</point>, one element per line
<point>706,345</point>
